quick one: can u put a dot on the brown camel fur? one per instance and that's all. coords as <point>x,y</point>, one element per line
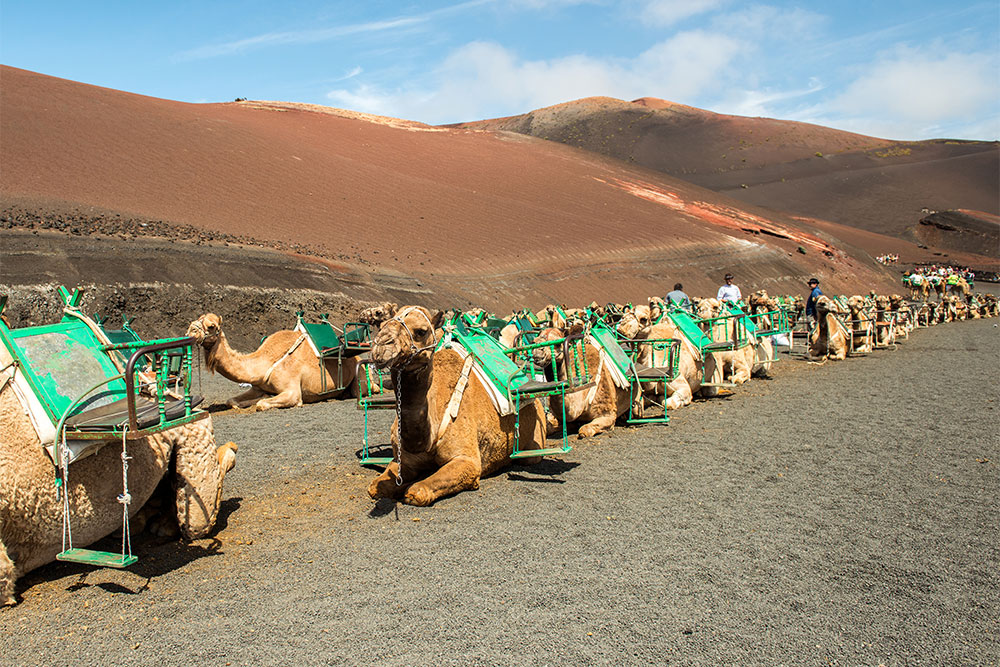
<point>828,339</point>
<point>278,379</point>
<point>595,407</point>
<point>885,324</point>
<point>862,325</point>
<point>31,514</point>
<point>439,456</point>
<point>736,364</point>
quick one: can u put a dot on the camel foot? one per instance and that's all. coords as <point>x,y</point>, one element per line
<point>419,495</point>
<point>588,431</point>
<point>551,424</point>
<point>227,456</point>
<point>384,487</point>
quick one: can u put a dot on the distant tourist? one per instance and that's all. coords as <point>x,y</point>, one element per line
<point>814,294</point>
<point>729,291</point>
<point>678,298</point>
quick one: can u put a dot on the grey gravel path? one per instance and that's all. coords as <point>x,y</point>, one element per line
<point>839,514</point>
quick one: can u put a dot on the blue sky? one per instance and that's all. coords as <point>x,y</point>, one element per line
<point>900,69</point>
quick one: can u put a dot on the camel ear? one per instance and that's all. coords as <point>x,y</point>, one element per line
<point>437,317</point>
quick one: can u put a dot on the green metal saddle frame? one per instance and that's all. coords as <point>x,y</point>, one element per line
<point>519,382</point>
<point>354,339</point>
<point>623,353</point>
<point>76,373</point>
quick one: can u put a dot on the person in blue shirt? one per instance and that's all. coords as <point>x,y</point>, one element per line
<point>678,298</point>
<point>811,301</point>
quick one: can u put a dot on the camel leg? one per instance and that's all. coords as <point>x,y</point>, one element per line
<point>680,394</point>
<point>246,399</point>
<point>459,474</point>
<point>8,577</point>
<point>385,486</point>
<point>599,425</point>
<point>290,398</point>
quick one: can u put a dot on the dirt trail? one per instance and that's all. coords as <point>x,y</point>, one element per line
<point>842,514</point>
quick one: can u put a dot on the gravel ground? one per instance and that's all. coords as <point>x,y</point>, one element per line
<point>843,514</point>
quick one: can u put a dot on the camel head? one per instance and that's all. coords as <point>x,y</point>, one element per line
<point>824,307</point>
<point>760,303</point>
<point>856,304</point>
<point>544,357</point>
<point>709,308</point>
<point>206,329</point>
<point>407,340</point>
<point>656,308</point>
<point>628,326</point>
<point>376,315</point>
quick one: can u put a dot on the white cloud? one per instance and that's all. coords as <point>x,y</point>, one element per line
<point>669,12</point>
<point>924,87</point>
<point>483,77</point>
<point>293,37</point>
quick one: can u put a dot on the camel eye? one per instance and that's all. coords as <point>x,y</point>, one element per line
<point>420,331</point>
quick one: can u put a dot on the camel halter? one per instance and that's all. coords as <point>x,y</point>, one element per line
<point>397,376</point>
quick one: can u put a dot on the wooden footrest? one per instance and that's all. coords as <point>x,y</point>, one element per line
<point>96,558</point>
<point>376,460</point>
<point>527,454</point>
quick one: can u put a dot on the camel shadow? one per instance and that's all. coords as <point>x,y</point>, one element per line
<point>157,556</point>
<point>544,471</point>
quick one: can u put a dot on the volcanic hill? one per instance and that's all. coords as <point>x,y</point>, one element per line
<point>876,185</point>
<point>107,187</point>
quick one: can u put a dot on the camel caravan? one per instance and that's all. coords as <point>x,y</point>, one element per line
<point>471,392</point>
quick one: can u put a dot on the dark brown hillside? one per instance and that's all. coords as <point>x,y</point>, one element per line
<point>435,214</point>
<point>811,171</point>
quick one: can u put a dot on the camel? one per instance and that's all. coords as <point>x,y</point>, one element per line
<point>596,405</point>
<point>904,316</point>
<point>284,371</point>
<point>759,303</point>
<point>448,437</point>
<point>885,322</point>
<point>31,514</point>
<point>681,390</point>
<point>828,339</point>
<point>376,315</point>
<point>737,364</point>
<point>862,326</point>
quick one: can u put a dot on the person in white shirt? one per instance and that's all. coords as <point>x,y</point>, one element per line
<point>729,291</point>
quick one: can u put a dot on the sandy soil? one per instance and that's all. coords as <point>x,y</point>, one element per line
<point>835,514</point>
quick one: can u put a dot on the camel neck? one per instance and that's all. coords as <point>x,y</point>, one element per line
<point>413,388</point>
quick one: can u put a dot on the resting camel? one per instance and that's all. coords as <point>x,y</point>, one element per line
<point>862,321</point>
<point>31,514</point>
<point>829,338</point>
<point>598,404</point>
<point>760,303</point>
<point>885,322</point>
<point>904,316</point>
<point>376,315</point>
<point>450,435</point>
<point>284,371</point>
<point>681,390</point>
<point>736,364</point>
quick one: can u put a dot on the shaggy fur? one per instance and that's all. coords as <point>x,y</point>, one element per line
<point>31,515</point>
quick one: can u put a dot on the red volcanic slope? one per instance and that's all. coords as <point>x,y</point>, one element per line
<point>812,171</point>
<point>416,200</point>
